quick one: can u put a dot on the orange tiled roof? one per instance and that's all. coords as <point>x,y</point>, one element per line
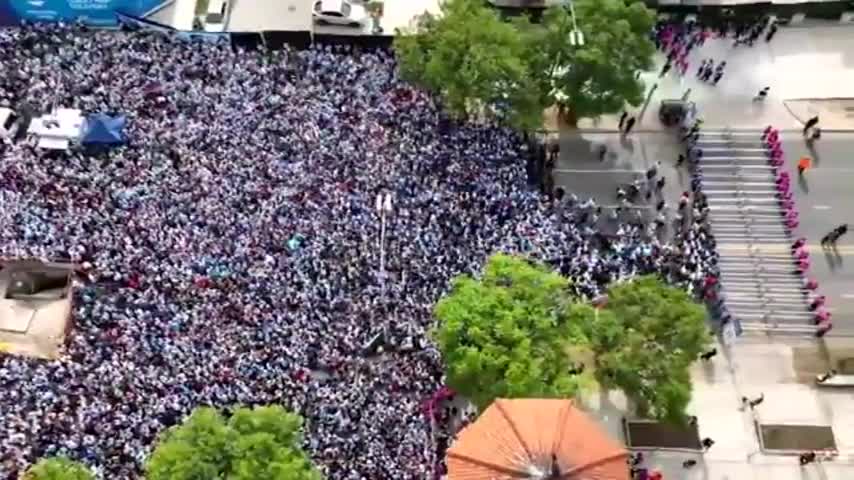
<point>514,439</point>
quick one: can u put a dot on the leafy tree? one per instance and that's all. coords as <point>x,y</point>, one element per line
<point>645,340</point>
<point>504,335</point>
<point>599,76</point>
<point>262,443</point>
<point>58,468</point>
<point>474,62</point>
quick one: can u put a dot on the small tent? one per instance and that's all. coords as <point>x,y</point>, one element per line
<point>102,129</point>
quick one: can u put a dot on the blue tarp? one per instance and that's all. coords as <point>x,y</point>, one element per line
<point>102,129</point>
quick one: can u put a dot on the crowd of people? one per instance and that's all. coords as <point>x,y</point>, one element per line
<point>231,251</point>
<point>677,39</point>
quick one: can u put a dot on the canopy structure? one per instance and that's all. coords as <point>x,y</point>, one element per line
<point>102,129</point>
<point>535,439</point>
<point>58,129</point>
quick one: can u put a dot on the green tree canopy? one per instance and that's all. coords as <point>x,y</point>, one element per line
<point>473,60</point>
<point>263,443</point>
<point>58,468</point>
<point>600,75</point>
<point>504,336</point>
<point>645,340</point>
<point>518,332</point>
<point>476,63</point>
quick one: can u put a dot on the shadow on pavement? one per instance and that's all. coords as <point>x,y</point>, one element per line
<point>802,183</point>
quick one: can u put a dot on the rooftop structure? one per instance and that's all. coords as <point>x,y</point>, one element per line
<point>35,307</point>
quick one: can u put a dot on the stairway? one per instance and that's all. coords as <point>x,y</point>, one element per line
<point>758,278</point>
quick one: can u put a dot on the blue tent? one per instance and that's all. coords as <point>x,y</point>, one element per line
<point>102,129</point>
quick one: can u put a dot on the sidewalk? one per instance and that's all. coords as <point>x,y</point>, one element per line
<point>799,63</point>
<point>781,370</point>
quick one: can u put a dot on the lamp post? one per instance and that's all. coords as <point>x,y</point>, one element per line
<point>576,38</point>
<point>384,209</point>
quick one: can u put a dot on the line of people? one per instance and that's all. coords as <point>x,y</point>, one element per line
<point>676,39</point>
<point>800,255</point>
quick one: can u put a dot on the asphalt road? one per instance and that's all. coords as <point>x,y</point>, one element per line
<point>825,199</point>
<point>580,171</point>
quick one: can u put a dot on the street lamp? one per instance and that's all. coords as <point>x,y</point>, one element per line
<point>384,208</point>
<point>576,38</point>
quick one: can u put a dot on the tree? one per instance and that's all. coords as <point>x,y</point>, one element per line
<point>58,468</point>
<point>474,62</point>
<point>645,340</point>
<point>598,76</point>
<point>262,443</point>
<point>504,335</point>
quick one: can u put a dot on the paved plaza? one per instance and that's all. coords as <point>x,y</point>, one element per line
<point>810,72</point>
<point>799,63</point>
<point>782,370</point>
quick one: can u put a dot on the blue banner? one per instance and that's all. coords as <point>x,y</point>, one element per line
<point>92,12</point>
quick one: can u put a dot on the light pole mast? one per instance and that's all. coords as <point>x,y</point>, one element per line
<point>576,38</point>
<point>384,208</point>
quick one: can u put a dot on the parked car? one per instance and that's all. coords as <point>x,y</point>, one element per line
<point>340,12</point>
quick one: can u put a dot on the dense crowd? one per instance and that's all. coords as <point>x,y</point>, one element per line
<point>231,251</point>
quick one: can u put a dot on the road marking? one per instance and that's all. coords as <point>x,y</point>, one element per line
<point>848,295</point>
<point>828,170</point>
<point>821,207</point>
<point>779,248</point>
<point>610,170</point>
<point>636,207</point>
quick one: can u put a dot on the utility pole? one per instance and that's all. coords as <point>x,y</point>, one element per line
<point>384,209</point>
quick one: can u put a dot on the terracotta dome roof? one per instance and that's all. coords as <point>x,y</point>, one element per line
<point>522,439</point>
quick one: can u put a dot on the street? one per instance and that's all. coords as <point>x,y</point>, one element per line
<point>816,64</point>
<point>781,368</point>
<point>824,200</point>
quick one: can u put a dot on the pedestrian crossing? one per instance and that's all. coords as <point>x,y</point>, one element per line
<point>759,280</point>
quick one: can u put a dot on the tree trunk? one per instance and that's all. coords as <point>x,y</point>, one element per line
<point>640,407</point>
<point>567,117</point>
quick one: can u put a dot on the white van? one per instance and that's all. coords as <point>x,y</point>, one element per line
<point>8,124</point>
<point>215,16</point>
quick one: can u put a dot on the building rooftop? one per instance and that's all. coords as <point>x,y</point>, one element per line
<point>35,307</point>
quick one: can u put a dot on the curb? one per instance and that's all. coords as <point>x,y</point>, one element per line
<point>734,129</point>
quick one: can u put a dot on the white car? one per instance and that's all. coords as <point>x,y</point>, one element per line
<point>339,12</point>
